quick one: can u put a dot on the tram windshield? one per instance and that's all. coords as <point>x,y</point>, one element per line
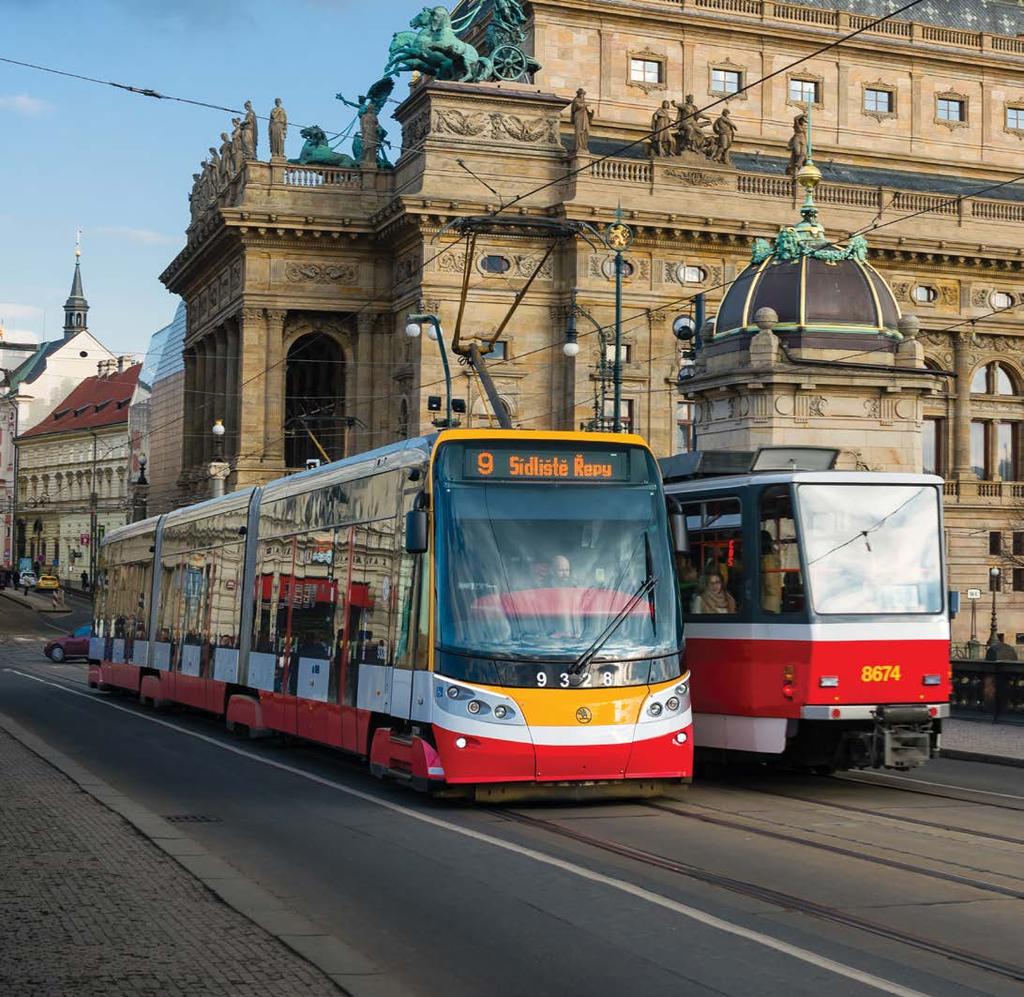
<point>872,548</point>
<point>559,569</point>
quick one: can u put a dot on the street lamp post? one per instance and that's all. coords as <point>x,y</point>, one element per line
<point>413,328</point>
<point>219,469</point>
<point>993,583</point>
<point>618,237</point>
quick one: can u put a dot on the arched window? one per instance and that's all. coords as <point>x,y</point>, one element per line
<point>993,379</point>
<point>315,400</point>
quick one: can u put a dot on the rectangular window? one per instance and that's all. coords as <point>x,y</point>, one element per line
<point>646,71</point>
<point>782,584</point>
<point>949,109</point>
<point>626,414</point>
<point>995,542</point>
<point>684,427</point>
<point>879,101</point>
<point>711,575</point>
<point>1015,118</point>
<point>1018,543</point>
<point>499,351</point>
<point>934,446</point>
<point>726,81</point>
<point>979,449</point>
<point>805,91</point>
<point>626,349</point>
<point>1007,462</point>
<point>1018,579</point>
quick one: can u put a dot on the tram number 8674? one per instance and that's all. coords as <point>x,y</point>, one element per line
<point>880,673</point>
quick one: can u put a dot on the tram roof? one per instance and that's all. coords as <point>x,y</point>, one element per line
<point>800,477</point>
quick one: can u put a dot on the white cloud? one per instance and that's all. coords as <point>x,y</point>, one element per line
<point>11,311</point>
<point>25,104</point>
<point>140,236</point>
<point>19,335</point>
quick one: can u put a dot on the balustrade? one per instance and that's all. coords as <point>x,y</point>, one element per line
<point>321,176</point>
<point>989,690</point>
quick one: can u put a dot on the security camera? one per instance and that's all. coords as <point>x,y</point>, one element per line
<point>684,328</point>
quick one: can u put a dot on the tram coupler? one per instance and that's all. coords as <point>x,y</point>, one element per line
<point>902,738</point>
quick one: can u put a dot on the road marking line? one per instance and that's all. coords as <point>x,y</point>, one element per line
<point>925,782</point>
<point>621,885</point>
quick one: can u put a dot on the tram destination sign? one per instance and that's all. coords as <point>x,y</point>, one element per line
<point>546,465</point>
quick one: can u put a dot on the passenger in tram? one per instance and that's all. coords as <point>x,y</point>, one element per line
<point>561,572</point>
<point>771,574</point>
<point>713,597</point>
<point>689,579</point>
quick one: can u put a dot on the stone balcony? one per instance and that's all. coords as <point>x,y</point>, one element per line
<point>843,22</point>
<point>984,493</point>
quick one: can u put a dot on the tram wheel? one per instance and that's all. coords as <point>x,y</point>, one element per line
<point>823,770</point>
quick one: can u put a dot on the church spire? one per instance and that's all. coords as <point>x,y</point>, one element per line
<point>76,308</point>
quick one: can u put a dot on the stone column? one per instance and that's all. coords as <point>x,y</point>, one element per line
<point>962,407</point>
<point>274,388</point>
<point>188,411</point>
<point>199,401</point>
<point>233,406</point>
<point>992,447</point>
<point>252,360</point>
<point>361,404</point>
<point>221,362</point>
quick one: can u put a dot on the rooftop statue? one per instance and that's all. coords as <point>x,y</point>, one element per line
<point>317,151</point>
<point>435,48</point>
<point>369,144</point>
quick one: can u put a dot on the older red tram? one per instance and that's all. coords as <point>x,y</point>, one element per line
<point>814,608</point>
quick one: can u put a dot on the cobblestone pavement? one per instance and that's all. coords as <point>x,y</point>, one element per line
<point>88,906</point>
<point>1002,740</point>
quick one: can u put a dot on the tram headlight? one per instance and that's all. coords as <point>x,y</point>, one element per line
<point>453,692</point>
<point>501,712</point>
<point>654,709</point>
<point>672,704</point>
<point>473,706</point>
<point>682,689</point>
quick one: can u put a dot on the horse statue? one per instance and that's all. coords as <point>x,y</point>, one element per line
<point>434,48</point>
<point>317,152</point>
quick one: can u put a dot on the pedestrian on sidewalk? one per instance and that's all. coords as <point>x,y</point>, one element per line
<point>85,581</point>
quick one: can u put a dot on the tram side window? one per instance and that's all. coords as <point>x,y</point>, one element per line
<point>711,575</point>
<point>782,584</point>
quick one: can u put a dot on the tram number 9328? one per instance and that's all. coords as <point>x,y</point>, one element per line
<point>880,673</point>
<point>566,680</point>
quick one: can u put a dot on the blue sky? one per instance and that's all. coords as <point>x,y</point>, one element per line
<point>120,165</point>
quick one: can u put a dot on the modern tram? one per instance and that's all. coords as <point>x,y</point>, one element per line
<point>814,608</point>
<point>492,613</point>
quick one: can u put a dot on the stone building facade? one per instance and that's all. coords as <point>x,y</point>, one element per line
<point>74,473</point>
<point>298,279</point>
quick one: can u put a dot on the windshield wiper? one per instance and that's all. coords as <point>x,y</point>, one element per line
<point>583,661</point>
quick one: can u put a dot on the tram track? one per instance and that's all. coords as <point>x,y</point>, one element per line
<point>901,866</point>
<point>864,779</point>
<point>869,812</point>
<point>775,898</point>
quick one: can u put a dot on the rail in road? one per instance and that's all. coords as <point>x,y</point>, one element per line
<point>792,884</point>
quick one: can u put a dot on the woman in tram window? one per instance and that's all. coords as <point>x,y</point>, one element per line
<point>771,574</point>
<point>713,597</point>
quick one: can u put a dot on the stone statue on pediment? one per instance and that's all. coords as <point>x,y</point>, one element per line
<point>661,130</point>
<point>582,115</point>
<point>690,134</point>
<point>277,129</point>
<point>250,132</point>
<point>725,135</point>
<point>797,145</point>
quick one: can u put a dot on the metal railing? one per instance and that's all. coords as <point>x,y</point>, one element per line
<point>987,690</point>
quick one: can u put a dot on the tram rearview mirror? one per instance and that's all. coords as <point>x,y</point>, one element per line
<point>416,531</point>
<point>680,534</point>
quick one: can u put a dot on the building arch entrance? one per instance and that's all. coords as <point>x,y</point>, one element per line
<point>315,400</point>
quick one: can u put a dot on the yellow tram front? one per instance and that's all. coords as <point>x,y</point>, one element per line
<point>556,635</point>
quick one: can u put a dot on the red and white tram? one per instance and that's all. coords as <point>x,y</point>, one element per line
<point>814,608</point>
<point>489,610</point>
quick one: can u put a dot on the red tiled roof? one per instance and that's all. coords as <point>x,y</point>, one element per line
<point>96,402</point>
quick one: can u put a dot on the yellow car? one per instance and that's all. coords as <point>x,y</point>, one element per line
<point>47,583</point>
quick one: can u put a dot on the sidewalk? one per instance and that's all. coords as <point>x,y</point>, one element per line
<point>40,602</point>
<point>979,741</point>
<point>89,906</point>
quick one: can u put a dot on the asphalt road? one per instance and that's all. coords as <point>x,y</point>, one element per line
<point>767,884</point>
